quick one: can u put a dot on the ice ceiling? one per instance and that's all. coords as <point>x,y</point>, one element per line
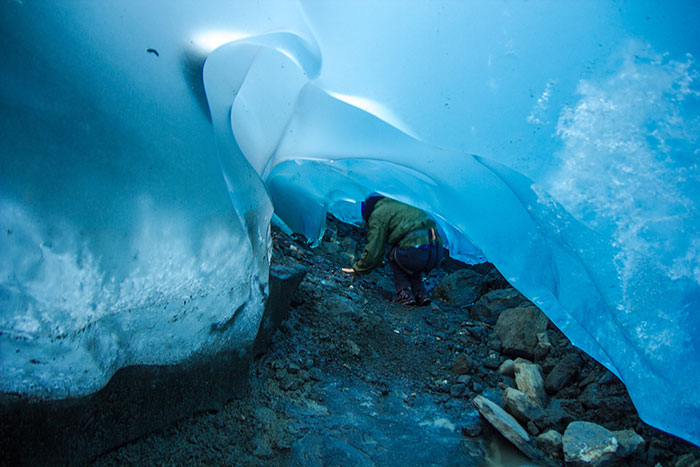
<point>123,244</point>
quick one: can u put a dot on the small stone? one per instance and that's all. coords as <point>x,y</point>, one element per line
<point>353,348</point>
<point>543,346</point>
<point>458,389</point>
<point>442,385</point>
<point>586,380</point>
<point>492,362</point>
<point>472,430</point>
<point>532,429</point>
<point>283,442</point>
<point>478,388</point>
<point>263,450</point>
<point>608,378</point>
<point>316,374</point>
<point>462,364</point>
<point>293,368</point>
<point>548,364</point>
<point>288,384</point>
<point>465,379</point>
<point>278,365</point>
<point>266,416</point>
<point>653,453</point>
<point>554,417</point>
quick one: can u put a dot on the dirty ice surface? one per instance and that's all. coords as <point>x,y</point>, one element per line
<point>119,244</point>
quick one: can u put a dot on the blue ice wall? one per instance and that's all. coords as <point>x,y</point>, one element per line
<point>584,193</point>
<point>123,241</point>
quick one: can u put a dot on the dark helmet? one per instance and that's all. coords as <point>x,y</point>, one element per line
<point>368,205</point>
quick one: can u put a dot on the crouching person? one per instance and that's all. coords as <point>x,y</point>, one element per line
<point>410,239</point>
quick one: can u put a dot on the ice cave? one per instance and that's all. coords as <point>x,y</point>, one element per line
<point>147,147</point>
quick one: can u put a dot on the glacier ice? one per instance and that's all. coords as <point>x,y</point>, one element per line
<point>119,244</point>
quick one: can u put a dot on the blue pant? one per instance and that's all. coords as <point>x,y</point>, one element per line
<point>409,264</point>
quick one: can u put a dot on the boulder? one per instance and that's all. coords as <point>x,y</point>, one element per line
<point>550,442</point>
<point>507,368</point>
<point>521,406</point>
<point>630,443</point>
<point>461,288</point>
<point>493,280</point>
<point>491,304</point>
<point>588,444</point>
<point>528,378</point>
<point>590,397</point>
<point>517,328</point>
<point>543,346</point>
<point>555,417</point>
<point>505,424</point>
<point>563,372</point>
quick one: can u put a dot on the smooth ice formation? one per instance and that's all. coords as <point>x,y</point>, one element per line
<point>584,192</point>
<point>119,245</point>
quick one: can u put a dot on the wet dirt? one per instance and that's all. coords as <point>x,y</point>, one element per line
<point>354,379</point>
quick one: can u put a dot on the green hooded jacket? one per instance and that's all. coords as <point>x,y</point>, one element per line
<point>396,224</point>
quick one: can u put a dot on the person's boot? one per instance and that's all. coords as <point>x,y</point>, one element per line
<point>422,299</point>
<point>403,297</point>
<point>421,296</point>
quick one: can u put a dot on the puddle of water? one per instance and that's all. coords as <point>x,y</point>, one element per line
<point>502,453</point>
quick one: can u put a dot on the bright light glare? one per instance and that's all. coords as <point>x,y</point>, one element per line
<point>210,40</point>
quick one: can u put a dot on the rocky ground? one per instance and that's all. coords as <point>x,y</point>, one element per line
<point>352,379</point>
